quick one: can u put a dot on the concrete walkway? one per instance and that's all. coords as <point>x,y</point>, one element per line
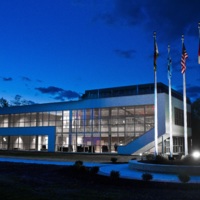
<point>105,169</point>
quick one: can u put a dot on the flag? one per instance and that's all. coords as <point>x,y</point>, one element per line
<point>169,66</point>
<point>199,45</point>
<point>155,53</point>
<point>199,53</point>
<point>183,59</point>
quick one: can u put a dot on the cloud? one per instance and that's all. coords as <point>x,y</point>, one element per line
<point>49,90</point>
<point>193,92</point>
<point>58,93</point>
<point>7,79</point>
<point>67,94</point>
<point>166,16</point>
<point>24,78</point>
<point>125,54</point>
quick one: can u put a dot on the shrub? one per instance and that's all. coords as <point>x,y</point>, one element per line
<point>114,175</point>
<point>78,163</point>
<point>147,177</point>
<point>161,159</point>
<point>150,157</point>
<point>83,169</point>
<point>79,167</point>
<point>183,177</point>
<point>113,159</point>
<point>94,170</point>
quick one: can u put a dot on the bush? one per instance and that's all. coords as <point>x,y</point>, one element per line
<point>147,177</point>
<point>78,163</point>
<point>114,175</point>
<point>150,157</point>
<point>160,159</point>
<point>183,177</point>
<point>78,167</point>
<point>94,170</point>
<point>113,159</point>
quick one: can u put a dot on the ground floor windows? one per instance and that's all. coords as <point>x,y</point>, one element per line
<point>178,145</point>
<point>36,143</point>
<point>94,143</point>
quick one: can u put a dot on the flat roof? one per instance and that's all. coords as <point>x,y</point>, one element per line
<point>97,94</point>
<point>130,90</point>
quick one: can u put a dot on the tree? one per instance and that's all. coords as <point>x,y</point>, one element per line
<point>3,103</point>
<point>196,124</point>
<point>18,101</point>
<point>196,109</point>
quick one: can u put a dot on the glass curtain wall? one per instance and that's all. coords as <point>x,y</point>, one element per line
<point>103,129</point>
<point>81,130</point>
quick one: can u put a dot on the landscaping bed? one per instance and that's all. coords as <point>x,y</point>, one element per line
<point>148,166</point>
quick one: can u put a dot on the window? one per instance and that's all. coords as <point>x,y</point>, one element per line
<point>179,117</point>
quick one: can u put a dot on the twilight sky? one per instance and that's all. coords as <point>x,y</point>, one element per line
<point>54,50</point>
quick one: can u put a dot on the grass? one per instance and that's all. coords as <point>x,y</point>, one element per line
<point>46,182</point>
<point>42,182</point>
<point>88,157</point>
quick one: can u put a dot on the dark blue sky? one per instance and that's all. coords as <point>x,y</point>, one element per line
<point>54,50</point>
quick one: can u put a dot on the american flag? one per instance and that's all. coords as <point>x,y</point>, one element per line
<point>183,59</point>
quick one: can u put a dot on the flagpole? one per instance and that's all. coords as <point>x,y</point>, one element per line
<point>170,104</point>
<point>155,100</point>
<point>185,109</point>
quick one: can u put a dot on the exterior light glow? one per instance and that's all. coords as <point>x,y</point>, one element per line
<point>196,154</point>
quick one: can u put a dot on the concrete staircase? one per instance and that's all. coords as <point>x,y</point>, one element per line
<point>141,144</point>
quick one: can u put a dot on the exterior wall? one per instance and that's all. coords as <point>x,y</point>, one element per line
<point>161,114</point>
<point>83,104</point>
<point>85,123</point>
<point>145,143</point>
<point>178,131</point>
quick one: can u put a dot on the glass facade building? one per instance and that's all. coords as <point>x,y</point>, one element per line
<point>101,121</point>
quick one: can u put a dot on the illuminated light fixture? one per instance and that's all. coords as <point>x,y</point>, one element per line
<point>4,139</point>
<point>196,154</point>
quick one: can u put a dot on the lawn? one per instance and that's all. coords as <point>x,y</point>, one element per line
<point>42,182</point>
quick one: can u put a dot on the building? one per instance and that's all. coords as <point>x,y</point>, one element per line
<point>119,119</point>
